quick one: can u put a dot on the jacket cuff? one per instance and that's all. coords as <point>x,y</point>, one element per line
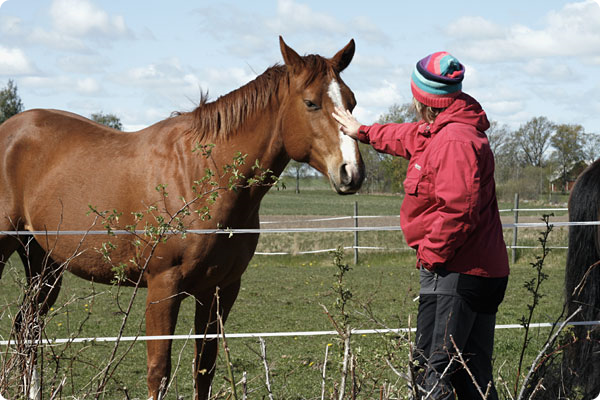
<point>363,136</point>
<point>427,258</point>
<point>423,264</point>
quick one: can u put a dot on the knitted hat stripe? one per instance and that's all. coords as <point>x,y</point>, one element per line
<point>437,79</point>
<point>424,80</point>
<point>426,95</point>
<point>452,71</point>
<point>436,88</point>
<point>435,63</point>
<point>431,100</point>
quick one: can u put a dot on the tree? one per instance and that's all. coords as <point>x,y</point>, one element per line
<point>385,172</point>
<point>509,163</point>
<point>399,113</point>
<point>110,120</point>
<point>298,170</point>
<point>498,137</point>
<point>591,147</point>
<point>568,144</point>
<point>10,102</point>
<point>534,140</point>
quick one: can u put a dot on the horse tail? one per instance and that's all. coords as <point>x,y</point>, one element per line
<point>582,278</point>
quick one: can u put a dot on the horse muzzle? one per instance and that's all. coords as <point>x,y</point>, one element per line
<point>348,178</point>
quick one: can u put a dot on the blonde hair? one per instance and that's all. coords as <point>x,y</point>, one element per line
<point>428,113</point>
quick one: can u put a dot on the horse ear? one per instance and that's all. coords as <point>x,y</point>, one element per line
<point>291,58</point>
<point>343,57</point>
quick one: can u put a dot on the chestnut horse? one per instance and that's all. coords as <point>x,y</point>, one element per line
<point>54,164</point>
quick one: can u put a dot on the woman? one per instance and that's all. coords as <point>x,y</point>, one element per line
<point>450,216</point>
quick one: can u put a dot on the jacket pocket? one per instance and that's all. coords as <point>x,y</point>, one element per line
<point>417,184</point>
<point>411,185</point>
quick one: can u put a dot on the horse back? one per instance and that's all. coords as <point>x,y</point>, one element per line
<point>52,154</point>
<point>57,166</point>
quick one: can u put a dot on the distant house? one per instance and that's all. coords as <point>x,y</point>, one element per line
<point>557,184</point>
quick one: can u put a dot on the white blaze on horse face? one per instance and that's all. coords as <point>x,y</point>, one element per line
<point>347,144</point>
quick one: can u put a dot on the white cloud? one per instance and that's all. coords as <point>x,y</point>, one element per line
<point>226,79</point>
<point>249,35</point>
<point>503,107</point>
<point>571,31</point>
<point>10,26</point>
<point>50,85</point>
<point>73,23</point>
<point>469,27</point>
<point>377,62</point>
<point>376,100</point>
<point>82,17</point>
<point>543,69</point>
<point>88,86</point>
<point>384,95</point>
<point>47,86</point>
<point>56,40</point>
<point>83,63</point>
<point>295,17</point>
<point>368,31</point>
<point>13,61</point>
<point>169,76</point>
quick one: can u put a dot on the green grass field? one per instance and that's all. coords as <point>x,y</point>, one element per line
<point>281,294</point>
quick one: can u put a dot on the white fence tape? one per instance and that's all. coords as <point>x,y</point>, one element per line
<point>532,209</point>
<point>296,230</point>
<point>271,334</point>
<point>317,230</point>
<point>282,230</point>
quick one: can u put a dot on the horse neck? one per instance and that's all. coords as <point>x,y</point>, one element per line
<point>260,138</point>
<point>247,120</point>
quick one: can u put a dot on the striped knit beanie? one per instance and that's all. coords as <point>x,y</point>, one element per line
<point>437,80</point>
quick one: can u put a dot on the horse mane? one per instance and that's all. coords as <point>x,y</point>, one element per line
<point>223,117</point>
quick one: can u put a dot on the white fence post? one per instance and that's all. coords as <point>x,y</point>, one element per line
<point>515,229</point>
<point>356,233</point>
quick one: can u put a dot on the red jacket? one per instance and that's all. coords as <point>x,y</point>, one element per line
<point>450,212</point>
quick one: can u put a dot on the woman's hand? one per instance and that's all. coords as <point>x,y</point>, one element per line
<point>348,124</point>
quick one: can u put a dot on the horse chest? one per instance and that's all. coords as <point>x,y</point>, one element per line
<point>214,261</point>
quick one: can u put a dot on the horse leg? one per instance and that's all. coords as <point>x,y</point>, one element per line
<point>44,278</point>
<point>206,322</point>
<point>162,307</point>
<point>8,245</point>
<point>44,275</point>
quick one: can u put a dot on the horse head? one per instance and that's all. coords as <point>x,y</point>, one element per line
<point>309,132</point>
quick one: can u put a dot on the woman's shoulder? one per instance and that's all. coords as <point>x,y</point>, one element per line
<point>461,132</point>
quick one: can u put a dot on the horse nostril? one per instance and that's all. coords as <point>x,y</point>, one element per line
<point>345,174</point>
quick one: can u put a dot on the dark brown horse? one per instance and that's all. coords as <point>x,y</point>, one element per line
<point>54,164</point>
<point>581,360</point>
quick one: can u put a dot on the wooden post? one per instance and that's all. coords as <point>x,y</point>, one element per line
<point>356,233</point>
<point>515,230</point>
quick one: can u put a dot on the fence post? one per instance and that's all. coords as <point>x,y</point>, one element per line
<point>515,230</point>
<point>356,233</point>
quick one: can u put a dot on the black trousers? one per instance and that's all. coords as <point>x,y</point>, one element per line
<point>461,307</point>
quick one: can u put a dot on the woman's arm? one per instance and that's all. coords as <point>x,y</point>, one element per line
<point>394,139</point>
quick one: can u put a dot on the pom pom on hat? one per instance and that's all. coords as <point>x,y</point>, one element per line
<point>437,80</point>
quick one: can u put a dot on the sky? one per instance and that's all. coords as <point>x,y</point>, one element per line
<point>143,60</point>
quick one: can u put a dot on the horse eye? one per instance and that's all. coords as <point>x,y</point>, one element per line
<point>311,106</point>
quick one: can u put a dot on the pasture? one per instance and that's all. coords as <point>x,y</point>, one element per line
<point>282,294</point>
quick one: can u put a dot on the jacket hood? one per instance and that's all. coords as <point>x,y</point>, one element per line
<point>464,109</point>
